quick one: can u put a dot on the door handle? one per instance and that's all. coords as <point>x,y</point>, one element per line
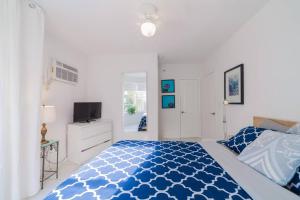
<point>213,113</point>
<point>182,112</point>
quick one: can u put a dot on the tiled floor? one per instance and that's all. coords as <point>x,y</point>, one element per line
<point>65,170</point>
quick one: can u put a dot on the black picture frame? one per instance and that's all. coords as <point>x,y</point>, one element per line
<point>241,84</point>
<point>171,81</point>
<point>164,106</point>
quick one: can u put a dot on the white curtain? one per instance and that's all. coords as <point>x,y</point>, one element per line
<point>21,59</point>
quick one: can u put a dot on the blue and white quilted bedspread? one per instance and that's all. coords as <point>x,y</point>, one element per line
<point>150,170</point>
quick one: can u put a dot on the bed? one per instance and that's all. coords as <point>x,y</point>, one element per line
<point>256,185</point>
<point>133,169</point>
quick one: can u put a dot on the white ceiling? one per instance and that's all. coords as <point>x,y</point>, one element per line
<point>188,30</point>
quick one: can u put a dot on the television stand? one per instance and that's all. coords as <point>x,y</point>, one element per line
<point>86,140</point>
<point>87,121</point>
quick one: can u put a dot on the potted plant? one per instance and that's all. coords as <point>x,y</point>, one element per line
<point>131,109</point>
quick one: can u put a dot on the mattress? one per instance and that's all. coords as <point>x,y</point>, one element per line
<point>151,170</point>
<point>255,184</point>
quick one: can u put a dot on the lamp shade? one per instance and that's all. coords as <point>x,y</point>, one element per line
<point>48,114</point>
<point>148,28</point>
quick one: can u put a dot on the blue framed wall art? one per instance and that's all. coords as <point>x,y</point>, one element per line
<point>168,86</point>
<point>168,101</point>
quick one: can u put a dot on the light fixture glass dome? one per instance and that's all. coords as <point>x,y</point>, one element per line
<point>148,28</point>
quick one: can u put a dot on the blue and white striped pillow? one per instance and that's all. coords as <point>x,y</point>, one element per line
<point>242,139</point>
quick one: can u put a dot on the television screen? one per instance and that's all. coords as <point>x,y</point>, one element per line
<point>86,111</point>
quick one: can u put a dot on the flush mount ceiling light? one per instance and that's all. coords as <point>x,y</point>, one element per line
<point>149,15</point>
<point>148,28</point>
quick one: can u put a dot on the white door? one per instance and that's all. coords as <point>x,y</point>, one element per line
<point>189,109</point>
<point>208,105</point>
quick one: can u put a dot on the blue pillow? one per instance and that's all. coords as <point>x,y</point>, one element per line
<point>242,139</point>
<point>294,184</point>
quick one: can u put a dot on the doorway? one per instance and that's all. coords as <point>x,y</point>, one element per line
<point>189,108</point>
<point>208,92</point>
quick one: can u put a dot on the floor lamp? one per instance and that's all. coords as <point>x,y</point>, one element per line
<point>225,103</point>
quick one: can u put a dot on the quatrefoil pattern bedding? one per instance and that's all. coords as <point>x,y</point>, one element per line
<point>294,184</point>
<point>242,139</point>
<point>150,170</point>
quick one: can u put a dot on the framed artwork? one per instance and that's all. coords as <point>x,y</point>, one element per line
<point>168,86</point>
<point>234,85</point>
<point>168,101</point>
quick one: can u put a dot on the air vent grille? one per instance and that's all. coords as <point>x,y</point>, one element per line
<point>64,72</point>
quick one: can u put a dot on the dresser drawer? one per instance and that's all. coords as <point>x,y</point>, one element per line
<point>85,140</point>
<point>91,131</point>
<point>95,140</point>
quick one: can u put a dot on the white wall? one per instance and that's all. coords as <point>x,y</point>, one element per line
<point>269,46</point>
<point>169,126</point>
<point>60,94</point>
<point>104,84</point>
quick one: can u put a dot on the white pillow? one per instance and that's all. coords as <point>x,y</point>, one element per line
<point>275,155</point>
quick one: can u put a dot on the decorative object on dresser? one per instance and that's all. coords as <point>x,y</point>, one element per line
<point>86,140</point>
<point>48,115</point>
<point>234,85</point>
<point>45,149</point>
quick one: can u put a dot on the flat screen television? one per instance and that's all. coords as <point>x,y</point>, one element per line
<point>87,111</point>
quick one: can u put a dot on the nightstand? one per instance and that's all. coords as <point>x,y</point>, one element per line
<point>52,145</point>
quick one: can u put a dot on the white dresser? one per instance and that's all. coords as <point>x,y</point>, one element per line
<point>86,140</point>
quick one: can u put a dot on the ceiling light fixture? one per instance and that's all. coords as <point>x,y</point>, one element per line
<point>149,15</point>
<point>148,28</point>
